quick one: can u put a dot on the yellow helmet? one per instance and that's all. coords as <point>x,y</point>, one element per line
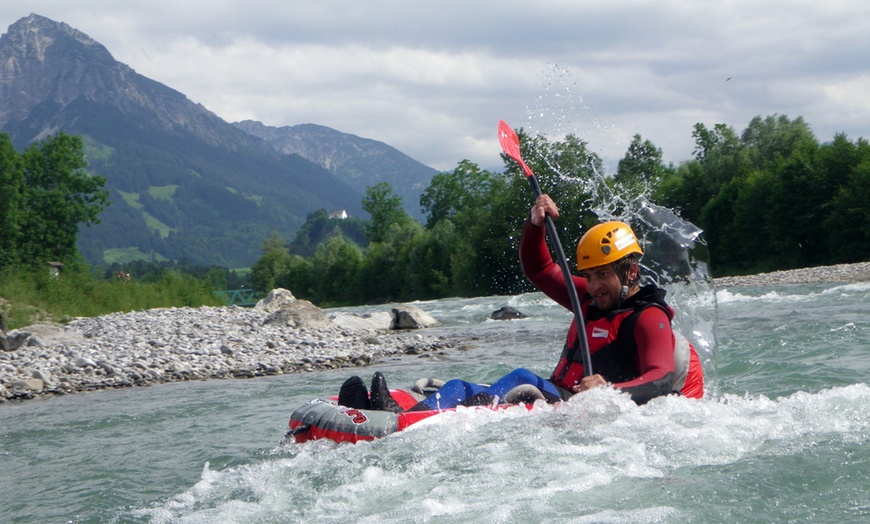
<point>606,243</point>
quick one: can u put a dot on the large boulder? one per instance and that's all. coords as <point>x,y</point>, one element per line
<point>411,317</point>
<point>275,300</point>
<point>300,314</point>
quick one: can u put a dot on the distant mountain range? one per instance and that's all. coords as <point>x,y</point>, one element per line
<point>184,183</point>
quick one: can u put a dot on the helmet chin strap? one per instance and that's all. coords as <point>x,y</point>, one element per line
<point>626,285</point>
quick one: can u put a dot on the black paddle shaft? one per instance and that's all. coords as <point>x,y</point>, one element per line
<point>572,291</point>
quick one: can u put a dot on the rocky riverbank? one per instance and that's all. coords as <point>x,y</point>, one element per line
<point>812,275</point>
<point>280,335</point>
<point>168,345</point>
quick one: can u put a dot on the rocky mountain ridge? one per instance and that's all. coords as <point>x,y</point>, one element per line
<point>184,183</point>
<point>361,162</point>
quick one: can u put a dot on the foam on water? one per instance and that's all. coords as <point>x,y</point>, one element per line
<point>786,295</point>
<point>567,463</point>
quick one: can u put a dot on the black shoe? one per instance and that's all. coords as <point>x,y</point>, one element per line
<point>381,399</point>
<point>353,394</point>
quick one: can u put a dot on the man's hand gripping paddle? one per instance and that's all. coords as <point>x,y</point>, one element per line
<point>510,143</point>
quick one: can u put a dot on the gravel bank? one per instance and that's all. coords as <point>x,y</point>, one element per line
<point>814,275</point>
<point>168,345</point>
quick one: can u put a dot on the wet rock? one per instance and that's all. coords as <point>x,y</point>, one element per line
<point>411,317</point>
<point>507,313</point>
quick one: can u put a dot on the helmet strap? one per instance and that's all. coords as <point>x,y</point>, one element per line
<point>622,268</point>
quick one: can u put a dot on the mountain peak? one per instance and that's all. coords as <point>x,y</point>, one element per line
<point>35,48</point>
<point>33,34</point>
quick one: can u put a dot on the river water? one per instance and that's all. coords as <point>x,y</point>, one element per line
<point>781,437</point>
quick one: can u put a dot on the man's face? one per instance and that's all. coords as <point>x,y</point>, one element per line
<point>604,286</point>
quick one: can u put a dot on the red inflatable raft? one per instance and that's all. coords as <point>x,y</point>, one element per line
<point>325,418</point>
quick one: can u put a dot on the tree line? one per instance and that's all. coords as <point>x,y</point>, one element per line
<point>772,197</point>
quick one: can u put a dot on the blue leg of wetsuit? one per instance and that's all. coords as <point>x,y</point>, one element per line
<point>452,393</point>
<point>456,391</point>
<point>519,377</point>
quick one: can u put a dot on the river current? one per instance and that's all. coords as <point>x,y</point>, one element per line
<point>782,435</point>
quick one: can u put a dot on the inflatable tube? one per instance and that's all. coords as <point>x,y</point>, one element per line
<point>326,419</point>
<point>322,418</point>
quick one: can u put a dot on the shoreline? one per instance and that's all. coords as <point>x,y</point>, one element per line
<point>843,273</point>
<point>164,345</point>
<point>157,346</point>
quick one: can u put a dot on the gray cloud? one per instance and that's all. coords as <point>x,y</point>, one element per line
<point>433,79</point>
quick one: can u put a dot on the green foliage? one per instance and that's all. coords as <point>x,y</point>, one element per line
<point>641,169</point>
<point>385,208</point>
<point>847,235</point>
<point>774,198</point>
<point>769,198</point>
<point>466,187</point>
<point>318,228</point>
<point>468,247</point>
<point>35,294</point>
<point>49,196</point>
<point>274,262</point>
<point>12,190</point>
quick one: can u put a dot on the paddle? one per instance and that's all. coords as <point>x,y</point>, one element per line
<point>510,143</point>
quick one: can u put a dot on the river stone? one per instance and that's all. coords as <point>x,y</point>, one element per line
<point>411,317</point>
<point>379,321</point>
<point>83,362</point>
<point>44,376</point>
<point>29,384</point>
<point>275,300</point>
<point>17,339</point>
<point>506,313</point>
<point>300,314</point>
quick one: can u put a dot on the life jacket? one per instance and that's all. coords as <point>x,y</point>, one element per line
<point>613,351</point>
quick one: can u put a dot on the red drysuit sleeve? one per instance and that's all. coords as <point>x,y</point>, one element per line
<point>540,268</point>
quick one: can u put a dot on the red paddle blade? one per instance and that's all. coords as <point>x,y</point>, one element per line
<point>510,144</point>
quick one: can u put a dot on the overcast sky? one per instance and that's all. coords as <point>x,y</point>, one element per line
<point>434,78</point>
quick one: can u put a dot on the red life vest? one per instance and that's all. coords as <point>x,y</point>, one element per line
<point>613,351</point>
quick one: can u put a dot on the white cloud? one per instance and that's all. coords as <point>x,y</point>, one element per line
<point>433,79</point>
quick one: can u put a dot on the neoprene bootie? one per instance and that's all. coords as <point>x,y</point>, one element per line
<point>381,400</point>
<point>353,394</point>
